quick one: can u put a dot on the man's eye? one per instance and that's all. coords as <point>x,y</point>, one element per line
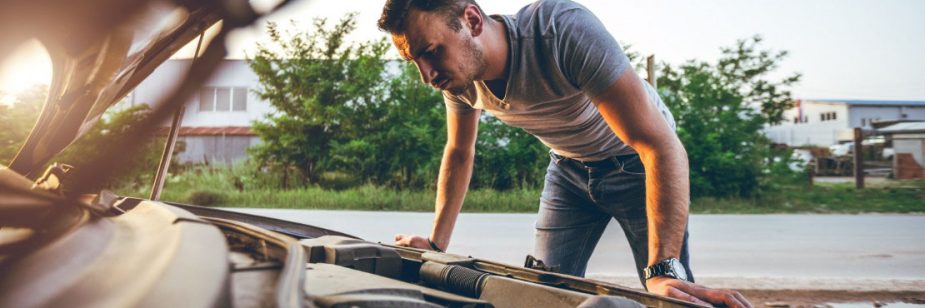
<point>431,53</point>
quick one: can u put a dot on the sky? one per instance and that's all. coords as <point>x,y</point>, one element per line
<point>845,49</point>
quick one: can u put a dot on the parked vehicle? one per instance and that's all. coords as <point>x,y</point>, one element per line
<point>65,243</point>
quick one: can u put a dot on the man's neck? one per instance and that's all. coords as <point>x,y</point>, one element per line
<point>496,50</point>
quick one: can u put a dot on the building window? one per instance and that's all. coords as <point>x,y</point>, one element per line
<point>827,116</point>
<point>207,99</point>
<point>239,99</point>
<point>222,99</point>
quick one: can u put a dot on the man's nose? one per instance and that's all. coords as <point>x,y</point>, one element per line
<point>428,73</point>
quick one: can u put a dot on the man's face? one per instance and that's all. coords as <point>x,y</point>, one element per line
<point>447,59</point>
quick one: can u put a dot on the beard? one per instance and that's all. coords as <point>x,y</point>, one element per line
<point>473,67</point>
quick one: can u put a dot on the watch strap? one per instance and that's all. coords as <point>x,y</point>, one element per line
<point>670,267</point>
<point>434,245</point>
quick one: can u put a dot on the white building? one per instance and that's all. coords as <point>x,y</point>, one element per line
<point>216,122</point>
<point>828,122</point>
<point>908,141</point>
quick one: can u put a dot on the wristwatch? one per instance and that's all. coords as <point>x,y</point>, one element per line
<point>666,268</point>
<point>434,245</point>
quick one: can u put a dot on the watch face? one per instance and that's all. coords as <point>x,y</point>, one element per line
<point>678,269</point>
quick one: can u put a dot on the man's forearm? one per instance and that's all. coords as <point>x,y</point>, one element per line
<point>452,184</point>
<point>667,199</point>
<point>627,108</point>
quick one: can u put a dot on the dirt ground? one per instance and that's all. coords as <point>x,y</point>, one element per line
<point>823,298</point>
<point>811,292</point>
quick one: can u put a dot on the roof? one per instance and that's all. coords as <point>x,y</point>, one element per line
<point>907,127</point>
<point>864,102</point>
<point>211,131</point>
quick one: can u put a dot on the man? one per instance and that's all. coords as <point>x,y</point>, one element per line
<point>553,70</point>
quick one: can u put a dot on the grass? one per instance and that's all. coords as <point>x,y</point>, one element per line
<point>233,188</point>
<point>367,198</point>
<point>837,198</point>
<point>371,198</point>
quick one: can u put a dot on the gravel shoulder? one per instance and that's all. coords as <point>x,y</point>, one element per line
<point>793,292</point>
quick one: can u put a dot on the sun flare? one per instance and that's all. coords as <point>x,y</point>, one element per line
<point>25,67</point>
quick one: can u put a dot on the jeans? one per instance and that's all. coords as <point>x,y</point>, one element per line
<point>580,198</point>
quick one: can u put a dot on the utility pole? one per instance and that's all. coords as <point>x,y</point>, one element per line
<point>650,69</point>
<point>858,158</point>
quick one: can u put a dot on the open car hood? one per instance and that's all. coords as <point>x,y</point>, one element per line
<point>100,51</point>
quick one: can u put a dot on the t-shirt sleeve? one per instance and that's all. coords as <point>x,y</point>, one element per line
<point>588,55</point>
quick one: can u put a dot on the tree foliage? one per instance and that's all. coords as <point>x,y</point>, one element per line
<point>721,109</point>
<point>508,157</point>
<point>114,123</point>
<point>405,136</point>
<point>344,113</point>
<point>17,119</point>
<point>344,109</point>
<point>318,83</point>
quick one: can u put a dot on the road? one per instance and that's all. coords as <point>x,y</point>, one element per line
<point>839,252</point>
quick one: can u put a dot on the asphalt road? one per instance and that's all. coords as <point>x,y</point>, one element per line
<point>858,252</point>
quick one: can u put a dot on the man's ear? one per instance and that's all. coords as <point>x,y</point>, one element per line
<point>472,17</point>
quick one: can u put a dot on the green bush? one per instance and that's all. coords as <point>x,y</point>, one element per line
<point>205,198</point>
<point>338,180</point>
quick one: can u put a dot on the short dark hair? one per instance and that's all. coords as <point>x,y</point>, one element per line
<point>395,12</point>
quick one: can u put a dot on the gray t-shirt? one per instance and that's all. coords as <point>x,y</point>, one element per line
<point>560,56</point>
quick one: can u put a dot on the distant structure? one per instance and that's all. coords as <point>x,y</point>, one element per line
<point>908,141</point>
<point>216,123</point>
<point>825,122</point>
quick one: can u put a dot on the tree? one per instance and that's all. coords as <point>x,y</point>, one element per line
<point>508,157</point>
<point>318,83</point>
<point>17,120</point>
<point>139,172</point>
<point>404,136</point>
<point>721,109</point>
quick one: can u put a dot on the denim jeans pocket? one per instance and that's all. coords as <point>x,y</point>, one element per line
<point>632,165</point>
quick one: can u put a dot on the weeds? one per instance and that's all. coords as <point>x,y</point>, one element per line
<point>241,186</point>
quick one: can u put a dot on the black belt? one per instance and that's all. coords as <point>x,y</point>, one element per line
<point>607,163</point>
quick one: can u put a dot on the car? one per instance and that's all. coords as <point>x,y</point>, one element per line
<point>842,149</point>
<point>65,242</point>
<point>800,159</point>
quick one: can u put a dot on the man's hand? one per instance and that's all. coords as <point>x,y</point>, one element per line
<point>414,241</point>
<point>696,293</point>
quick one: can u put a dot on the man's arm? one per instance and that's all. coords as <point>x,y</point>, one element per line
<point>453,180</point>
<point>626,108</point>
